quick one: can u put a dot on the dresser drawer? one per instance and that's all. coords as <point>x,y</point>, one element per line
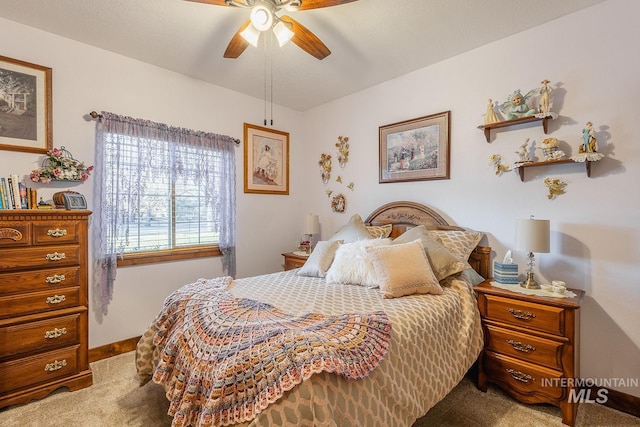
<point>55,232</point>
<point>39,302</point>
<point>21,373</point>
<point>523,346</point>
<point>525,314</point>
<point>39,256</point>
<point>14,234</point>
<point>39,280</point>
<point>533,381</point>
<point>40,336</point>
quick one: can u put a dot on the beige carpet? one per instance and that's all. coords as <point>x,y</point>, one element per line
<point>115,399</point>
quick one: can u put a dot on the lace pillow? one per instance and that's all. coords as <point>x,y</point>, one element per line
<point>352,231</point>
<point>320,259</point>
<point>403,269</point>
<point>379,231</point>
<point>352,264</point>
<point>460,242</point>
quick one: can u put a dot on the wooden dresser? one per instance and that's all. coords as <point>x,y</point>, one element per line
<point>43,303</point>
<point>531,346</point>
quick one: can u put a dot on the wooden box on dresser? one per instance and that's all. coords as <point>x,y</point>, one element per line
<point>43,303</point>
<point>531,346</point>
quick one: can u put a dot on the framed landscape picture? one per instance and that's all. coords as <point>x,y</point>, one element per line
<point>415,150</point>
<point>266,160</point>
<point>25,106</point>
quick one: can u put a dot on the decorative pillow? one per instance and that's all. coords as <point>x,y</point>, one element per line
<point>351,263</point>
<point>403,269</point>
<point>443,262</point>
<point>460,242</point>
<point>379,231</point>
<point>320,259</point>
<point>352,231</point>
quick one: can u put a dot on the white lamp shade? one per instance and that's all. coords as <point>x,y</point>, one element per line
<point>251,34</point>
<point>283,33</point>
<point>532,235</point>
<point>311,224</point>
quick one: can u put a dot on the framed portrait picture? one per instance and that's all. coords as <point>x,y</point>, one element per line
<point>266,160</point>
<point>25,106</point>
<point>415,150</point>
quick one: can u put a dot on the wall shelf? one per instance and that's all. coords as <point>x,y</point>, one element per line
<point>523,166</point>
<point>530,119</point>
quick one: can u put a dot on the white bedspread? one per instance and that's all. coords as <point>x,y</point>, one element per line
<point>435,339</point>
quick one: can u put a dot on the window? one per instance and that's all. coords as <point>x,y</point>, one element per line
<point>162,194</point>
<point>166,210</point>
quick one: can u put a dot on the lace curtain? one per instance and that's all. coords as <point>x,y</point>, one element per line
<point>156,149</point>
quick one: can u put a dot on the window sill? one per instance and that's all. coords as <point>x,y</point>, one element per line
<point>140,258</point>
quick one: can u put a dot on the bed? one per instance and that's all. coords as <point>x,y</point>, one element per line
<point>401,354</point>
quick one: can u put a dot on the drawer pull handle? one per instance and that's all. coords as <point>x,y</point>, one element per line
<point>56,299</point>
<point>55,333</point>
<point>55,256</point>
<point>519,314</point>
<point>55,278</point>
<point>55,365</point>
<point>520,376</point>
<point>517,345</point>
<point>57,232</point>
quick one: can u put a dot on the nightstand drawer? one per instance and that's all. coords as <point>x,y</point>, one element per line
<point>524,378</point>
<point>522,346</point>
<point>525,314</point>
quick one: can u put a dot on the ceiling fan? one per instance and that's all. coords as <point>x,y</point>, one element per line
<point>263,18</point>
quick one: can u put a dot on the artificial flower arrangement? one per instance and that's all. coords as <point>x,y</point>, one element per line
<point>59,165</point>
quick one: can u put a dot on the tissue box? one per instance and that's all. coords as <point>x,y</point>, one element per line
<point>505,273</point>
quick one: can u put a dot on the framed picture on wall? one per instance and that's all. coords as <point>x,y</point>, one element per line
<point>25,106</point>
<point>415,150</point>
<point>266,160</point>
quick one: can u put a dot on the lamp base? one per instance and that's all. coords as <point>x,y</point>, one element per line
<point>530,283</point>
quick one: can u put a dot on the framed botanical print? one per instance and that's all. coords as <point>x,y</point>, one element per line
<point>266,160</point>
<point>25,106</point>
<point>415,150</point>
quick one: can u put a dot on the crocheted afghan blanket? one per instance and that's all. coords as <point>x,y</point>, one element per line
<point>225,359</point>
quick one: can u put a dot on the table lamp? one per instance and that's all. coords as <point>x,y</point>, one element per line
<point>532,235</point>
<point>310,227</point>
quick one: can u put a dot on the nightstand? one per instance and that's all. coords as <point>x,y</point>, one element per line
<point>292,261</point>
<point>531,346</point>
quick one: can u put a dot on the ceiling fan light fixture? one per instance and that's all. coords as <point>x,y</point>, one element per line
<point>261,17</point>
<point>251,34</point>
<point>283,33</point>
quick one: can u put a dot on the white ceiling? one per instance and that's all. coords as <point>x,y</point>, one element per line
<point>371,40</point>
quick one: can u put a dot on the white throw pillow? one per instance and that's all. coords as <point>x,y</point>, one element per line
<point>320,259</point>
<point>352,231</point>
<point>351,264</point>
<point>403,269</point>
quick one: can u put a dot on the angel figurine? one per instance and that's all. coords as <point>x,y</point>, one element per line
<point>545,92</point>
<point>516,106</point>
<point>491,116</point>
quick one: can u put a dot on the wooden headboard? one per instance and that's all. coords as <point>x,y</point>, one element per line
<point>404,215</point>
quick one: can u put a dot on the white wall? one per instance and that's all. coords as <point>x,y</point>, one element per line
<point>86,79</point>
<point>591,59</point>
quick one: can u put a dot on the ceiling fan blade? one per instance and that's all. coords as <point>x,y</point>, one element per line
<point>238,44</point>
<point>306,40</point>
<point>317,4</point>
<point>213,2</point>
